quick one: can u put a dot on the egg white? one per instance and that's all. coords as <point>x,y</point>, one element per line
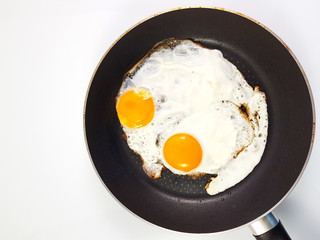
<point>222,133</point>
<point>197,91</point>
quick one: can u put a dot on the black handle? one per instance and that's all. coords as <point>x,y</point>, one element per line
<point>276,233</point>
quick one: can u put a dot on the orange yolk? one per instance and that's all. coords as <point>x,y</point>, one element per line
<point>183,152</point>
<point>135,108</point>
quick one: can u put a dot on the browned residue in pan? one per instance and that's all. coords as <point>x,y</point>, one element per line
<point>244,110</point>
<point>257,117</point>
<point>243,148</point>
<point>197,175</point>
<point>211,179</point>
<point>124,136</point>
<point>153,176</point>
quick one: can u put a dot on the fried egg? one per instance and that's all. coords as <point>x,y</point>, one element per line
<point>186,108</point>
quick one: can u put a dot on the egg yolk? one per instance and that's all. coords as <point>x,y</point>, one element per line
<point>183,152</point>
<point>135,108</point>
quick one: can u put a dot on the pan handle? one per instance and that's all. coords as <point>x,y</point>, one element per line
<point>269,228</point>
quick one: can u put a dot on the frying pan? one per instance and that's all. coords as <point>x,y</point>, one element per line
<point>180,203</point>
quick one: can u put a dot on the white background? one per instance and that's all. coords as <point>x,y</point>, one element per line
<point>48,53</point>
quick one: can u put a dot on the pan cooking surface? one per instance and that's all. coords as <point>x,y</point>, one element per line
<point>178,202</point>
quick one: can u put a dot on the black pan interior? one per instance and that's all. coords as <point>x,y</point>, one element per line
<point>180,203</point>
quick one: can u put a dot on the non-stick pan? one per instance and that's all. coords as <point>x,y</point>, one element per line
<point>181,203</point>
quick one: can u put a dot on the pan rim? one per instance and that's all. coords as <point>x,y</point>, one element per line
<point>228,11</point>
